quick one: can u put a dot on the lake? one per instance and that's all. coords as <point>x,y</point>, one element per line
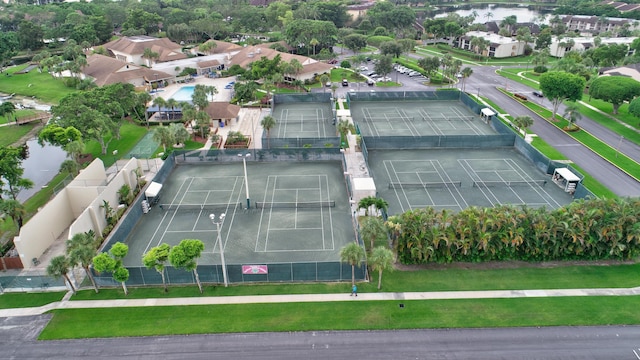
<point>499,12</point>
<point>41,166</point>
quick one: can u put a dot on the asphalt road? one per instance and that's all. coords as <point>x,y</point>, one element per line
<point>485,79</point>
<point>550,343</point>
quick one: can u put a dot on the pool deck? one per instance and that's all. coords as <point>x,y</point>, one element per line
<point>248,122</point>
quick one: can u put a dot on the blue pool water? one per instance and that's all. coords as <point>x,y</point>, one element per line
<point>184,93</point>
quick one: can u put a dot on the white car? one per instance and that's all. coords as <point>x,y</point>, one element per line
<point>386,78</point>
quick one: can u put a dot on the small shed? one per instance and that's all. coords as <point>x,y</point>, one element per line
<point>566,179</point>
<point>153,192</point>
<point>486,114</point>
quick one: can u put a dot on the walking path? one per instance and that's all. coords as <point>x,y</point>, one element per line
<point>299,298</point>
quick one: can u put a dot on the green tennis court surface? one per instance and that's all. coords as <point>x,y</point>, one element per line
<point>145,148</point>
<point>417,118</point>
<point>298,213</point>
<point>455,179</point>
<point>304,120</point>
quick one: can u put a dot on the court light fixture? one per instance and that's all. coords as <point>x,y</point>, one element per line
<point>224,265</point>
<point>246,178</point>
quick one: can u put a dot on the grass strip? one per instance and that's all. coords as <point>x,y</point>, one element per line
<point>12,133</point>
<point>444,278</point>
<point>24,300</point>
<point>348,315</point>
<point>604,150</point>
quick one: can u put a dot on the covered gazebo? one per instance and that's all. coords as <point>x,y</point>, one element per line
<point>223,112</point>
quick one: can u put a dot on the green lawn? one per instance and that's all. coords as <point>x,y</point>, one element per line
<point>23,300</point>
<point>19,113</point>
<point>34,84</point>
<point>348,315</point>
<point>13,133</point>
<point>130,134</point>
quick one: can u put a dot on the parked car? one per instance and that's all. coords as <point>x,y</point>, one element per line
<point>386,78</point>
<point>414,73</point>
<point>538,94</point>
<point>345,82</point>
<point>328,84</point>
<point>371,82</point>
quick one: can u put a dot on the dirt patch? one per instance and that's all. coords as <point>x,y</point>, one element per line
<point>494,265</point>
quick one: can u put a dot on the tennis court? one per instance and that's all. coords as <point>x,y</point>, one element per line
<point>298,213</point>
<point>303,120</point>
<point>417,118</point>
<point>456,179</point>
<point>145,148</point>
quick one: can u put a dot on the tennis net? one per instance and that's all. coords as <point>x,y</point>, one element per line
<point>448,118</point>
<point>192,207</point>
<point>500,183</point>
<point>384,119</point>
<point>425,185</point>
<point>296,205</point>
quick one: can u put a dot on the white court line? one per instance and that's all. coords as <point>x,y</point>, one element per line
<point>172,216</point>
<point>387,164</point>
<point>410,122</point>
<point>270,228</point>
<point>474,177</point>
<point>372,128</point>
<point>537,189</point>
<point>446,178</point>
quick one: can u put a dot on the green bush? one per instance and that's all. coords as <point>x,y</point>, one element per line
<point>377,40</point>
<point>540,69</point>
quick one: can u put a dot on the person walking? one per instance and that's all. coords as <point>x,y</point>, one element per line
<point>354,290</point>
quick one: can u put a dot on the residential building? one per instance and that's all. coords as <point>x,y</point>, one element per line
<point>500,47</point>
<point>106,70</point>
<point>560,46</point>
<point>131,49</point>
<point>588,25</point>
<point>631,70</point>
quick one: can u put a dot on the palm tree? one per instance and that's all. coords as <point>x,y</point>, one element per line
<point>6,109</point>
<point>160,102</point>
<point>150,55</point>
<point>162,135</point>
<point>59,267</point>
<point>203,121</point>
<point>381,259</point>
<point>13,209</point>
<point>70,166</point>
<point>324,79</point>
<point>295,67</point>
<point>314,42</point>
<point>142,99</point>
<point>81,249</point>
<point>523,122</point>
<point>352,254</point>
<point>466,73</point>
<point>572,114</point>
<point>488,15</point>
<point>366,203</point>
<point>268,122</point>
<point>172,103</point>
<point>373,229</point>
<point>380,204</point>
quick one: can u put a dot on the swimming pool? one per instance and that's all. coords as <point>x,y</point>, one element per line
<point>184,93</point>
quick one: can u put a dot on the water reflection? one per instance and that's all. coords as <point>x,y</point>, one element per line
<point>41,166</point>
<point>498,12</point>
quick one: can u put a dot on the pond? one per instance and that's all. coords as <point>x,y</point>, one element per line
<point>523,13</point>
<point>41,166</point>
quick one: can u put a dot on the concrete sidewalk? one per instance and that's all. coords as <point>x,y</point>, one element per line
<point>298,298</point>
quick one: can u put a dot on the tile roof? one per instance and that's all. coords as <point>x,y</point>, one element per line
<point>135,45</point>
<point>107,70</point>
<point>222,110</point>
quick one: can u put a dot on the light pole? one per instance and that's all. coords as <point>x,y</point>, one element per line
<point>246,179</point>
<point>224,266</point>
